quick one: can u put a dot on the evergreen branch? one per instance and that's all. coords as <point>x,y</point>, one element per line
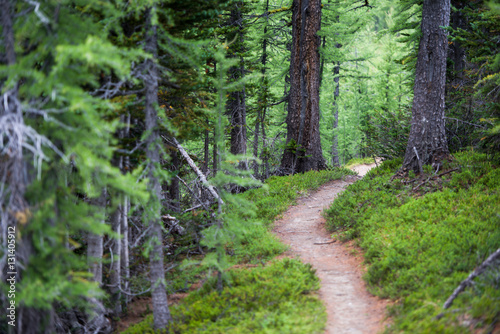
<point>366,4</point>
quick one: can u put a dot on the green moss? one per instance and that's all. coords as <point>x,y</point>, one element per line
<point>420,244</point>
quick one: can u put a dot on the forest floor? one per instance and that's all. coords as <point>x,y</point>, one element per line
<point>350,307</point>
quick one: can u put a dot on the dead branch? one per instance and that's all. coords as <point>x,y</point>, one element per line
<point>173,224</point>
<point>202,177</point>
<point>205,205</point>
<point>468,281</point>
<point>325,243</point>
<point>447,172</point>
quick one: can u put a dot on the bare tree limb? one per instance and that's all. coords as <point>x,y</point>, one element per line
<point>468,281</point>
<point>202,177</point>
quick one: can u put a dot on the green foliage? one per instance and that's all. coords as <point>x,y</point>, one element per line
<point>57,64</point>
<point>362,199</point>
<point>229,226</point>
<point>421,244</point>
<point>374,83</point>
<point>275,298</point>
<point>272,200</point>
<point>476,86</point>
<point>262,299</point>
<point>359,161</point>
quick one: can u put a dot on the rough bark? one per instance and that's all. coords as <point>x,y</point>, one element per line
<point>116,249</point>
<point>161,312</point>
<point>303,152</point>
<point>124,259</point>
<point>427,141</point>
<point>236,103</point>
<point>335,105</point>
<point>262,104</point>
<point>173,187</point>
<point>456,52</point>
<point>95,243</point>
<point>206,153</point>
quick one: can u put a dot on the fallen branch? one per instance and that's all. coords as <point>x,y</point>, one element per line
<point>173,224</point>
<point>421,184</point>
<point>447,172</point>
<point>202,177</point>
<point>325,243</point>
<point>468,281</point>
<point>205,205</point>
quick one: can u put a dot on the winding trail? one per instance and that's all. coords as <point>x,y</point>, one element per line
<point>350,308</point>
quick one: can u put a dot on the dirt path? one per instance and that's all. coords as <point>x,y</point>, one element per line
<point>351,309</point>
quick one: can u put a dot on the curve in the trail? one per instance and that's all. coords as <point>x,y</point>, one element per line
<point>350,308</point>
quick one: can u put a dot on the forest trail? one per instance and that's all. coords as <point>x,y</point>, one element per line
<point>350,308</point>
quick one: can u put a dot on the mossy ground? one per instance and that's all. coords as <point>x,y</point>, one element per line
<point>359,161</point>
<point>273,297</point>
<point>423,236</point>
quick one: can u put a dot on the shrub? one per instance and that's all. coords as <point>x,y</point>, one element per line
<point>420,244</point>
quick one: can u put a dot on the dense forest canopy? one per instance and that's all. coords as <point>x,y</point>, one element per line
<point>128,128</point>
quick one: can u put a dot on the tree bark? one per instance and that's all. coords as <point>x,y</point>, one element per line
<point>206,153</point>
<point>116,248</point>
<point>427,142</point>
<point>173,187</point>
<point>303,152</point>
<point>456,51</point>
<point>124,259</point>
<point>236,103</point>
<point>95,243</point>
<point>161,312</point>
<point>262,103</point>
<point>14,176</point>
<point>336,94</point>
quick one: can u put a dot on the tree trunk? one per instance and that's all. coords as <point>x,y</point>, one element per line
<point>262,104</point>
<point>15,178</point>
<point>336,94</point>
<point>173,187</point>
<point>161,313</point>
<point>116,249</point>
<point>124,259</point>
<point>303,151</point>
<point>456,51</point>
<point>427,141</point>
<point>236,103</point>
<point>95,243</point>
<point>206,153</point>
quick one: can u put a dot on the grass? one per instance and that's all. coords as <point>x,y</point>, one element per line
<point>273,297</point>
<point>359,161</point>
<point>422,236</point>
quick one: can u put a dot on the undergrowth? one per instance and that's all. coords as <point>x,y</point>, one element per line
<point>422,236</point>
<point>359,161</point>
<point>272,200</point>
<point>276,297</point>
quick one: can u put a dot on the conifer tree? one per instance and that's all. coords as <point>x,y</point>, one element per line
<point>56,153</point>
<point>161,312</point>
<point>427,142</point>
<point>303,151</point>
